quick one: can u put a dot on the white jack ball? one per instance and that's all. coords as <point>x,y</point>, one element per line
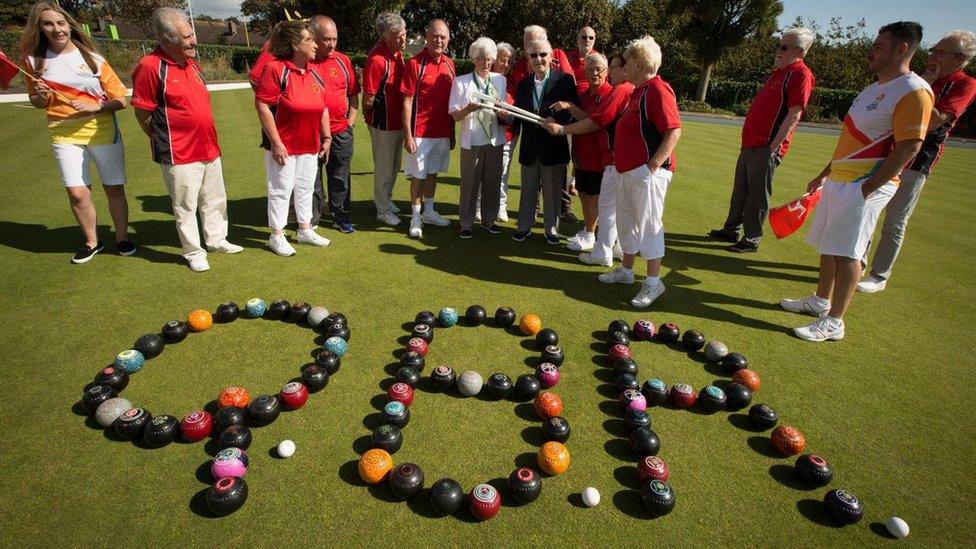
<point>591,497</point>
<point>286,449</point>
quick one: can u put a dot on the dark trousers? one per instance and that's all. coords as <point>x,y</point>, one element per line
<point>336,173</point>
<point>753,185</point>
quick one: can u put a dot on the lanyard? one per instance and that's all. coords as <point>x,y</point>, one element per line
<point>484,117</point>
<point>536,96</point>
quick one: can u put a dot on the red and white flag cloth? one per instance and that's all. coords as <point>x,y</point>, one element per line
<point>8,70</point>
<point>786,219</point>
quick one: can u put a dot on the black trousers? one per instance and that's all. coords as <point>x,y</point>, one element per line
<point>753,185</point>
<point>336,180</point>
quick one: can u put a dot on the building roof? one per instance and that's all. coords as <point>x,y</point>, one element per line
<point>208,32</point>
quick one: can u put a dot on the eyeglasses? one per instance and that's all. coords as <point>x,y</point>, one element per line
<point>542,54</point>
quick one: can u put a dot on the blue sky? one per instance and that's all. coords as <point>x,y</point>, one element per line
<point>936,16</point>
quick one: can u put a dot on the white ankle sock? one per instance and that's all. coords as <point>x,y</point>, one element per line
<point>429,205</point>
<point>415,208</point>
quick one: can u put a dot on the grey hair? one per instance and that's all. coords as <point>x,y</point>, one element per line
<point>318,22</point>
<point>804,37</point>
<point>966,40</point>
<point>164,25</point>
<point>597,58</point>
<point>505,46</point>
<point>539,43</point>
<point>483,47</point>
<point>535,29</point>
<point>389,22</point>
<point>644,53</point>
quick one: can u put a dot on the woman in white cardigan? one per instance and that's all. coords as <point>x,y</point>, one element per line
<point>482,138</point>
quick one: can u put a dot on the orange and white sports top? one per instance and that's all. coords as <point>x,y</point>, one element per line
<point>69,75</point>
<point>882,114</point>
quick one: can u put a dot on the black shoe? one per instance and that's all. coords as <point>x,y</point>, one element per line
<point>743,247</point>
<point>519,236</point>
<point>552,239</point>
<point>85,254</point>
<point>493,229</point>
<point>125,248</point>
<point>569,217</point>
<point>465,234</point>
<point>724,234</point>
<point>345,227</point>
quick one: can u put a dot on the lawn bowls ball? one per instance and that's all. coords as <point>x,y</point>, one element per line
<point>475,315</point>
<point>843,507</point>
<point>175,331</point>
<point>417,345</point>
<point>715,351</point>
<point>447,317</point>
<point>229,416</point>
<point>682,395</point>
<point>338,330</point>
<point>591,496</point>
<point>199,320</point>
<point>110,410</point>
<point>196,426</point>
<point>548,405</point>
<point>328,360</point>
<point>408,375</point>
<point>505,317</point>
<point>618,338</point>
<point>116,378</point>
<point>814,470</point>
<point>658,497</point>
<point>546,337</point>
<point>556,428</point>
<point>229,462</point>
<point>625,366</point>
<point>763,417</point>
<point>530,324</point>
<point>655,391</point>
<point>484,502</point>
<point>337,318</point>
<point>150,345</point>
<point>897,527</point>
<point>652,468</point>
<point>387,437</point>
<point>286,449</point>
<point>644,442</point>
<point>131,423</point>
<point>553,458</point>
<point>548,375</point>
<point>425,317</point>
<point>712,399</point>
<point>234,396</point>
<point>644,330</point>
<point>337,346</point>
<point>525,485</point>
<point>413,359</point>
<point>407,481</point>
<point>668,333</point>
<point>618,351</point>
<point>375,465</point>
<point>499,385</point>
<point>395,413</point>
<point>446,497</point>
<point>226,496</point>
<point>315,378</point>
<point>160,431</point>
<point>443,378</point>
<point>693,340</point>
<point>554,355</point>
<point>235,436</point>
<point>469,383</point>
<point>130,361</point>
<point>738,396</point>
<point>625,381</point>
<point>618,326</point>
<point>278,309</point>
<point>733,362</point>
<point>636,419</point>
<point>527,387</point>
<point>299,312</point>
<point>401,392</point>
<point>227,312</point>
<point>294,395</point>
<point>316,316</point>
<point>255,307</point>
<point>632,399</point>
<point>423,331</point>
<point>788,441</point>
<point>263,410</point>
<point>748,378</point>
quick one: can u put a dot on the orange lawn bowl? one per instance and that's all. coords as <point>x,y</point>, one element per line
<point>748,378</point>
<point>530,324</point>
<point>788,441</point>
<point>548,405</point>
<point>553,458</point>
<point>199,320</point>
<point>375,465</point>
<point>234,396</point>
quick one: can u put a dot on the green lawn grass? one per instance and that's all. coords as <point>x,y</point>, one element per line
<point>888,405</point>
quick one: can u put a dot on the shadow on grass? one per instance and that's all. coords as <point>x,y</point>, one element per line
<point>813,510</point>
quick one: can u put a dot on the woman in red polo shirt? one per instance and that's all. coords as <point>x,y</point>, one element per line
<point>290,100</point>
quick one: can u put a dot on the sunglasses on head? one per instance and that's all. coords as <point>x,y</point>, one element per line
<point>538,55</point>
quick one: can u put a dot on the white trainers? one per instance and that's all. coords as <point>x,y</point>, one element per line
<point>434,218</point>
<point>808,306</point>
<point>311,237</point>
<point>502,216</point>
<point>416,227</point>
<point>389,218</point>
<point>647,294</point>
<point>871,284</point>
<point>617,276</point>
<point>226,247</point>
<point>823,329</point>
<point>199,264</point>
<point>618,252</point>
<point>577,236</point>
<point>394,208</point>
<point>279,245</point>
<point>587,257</point>
<point>584,243</point>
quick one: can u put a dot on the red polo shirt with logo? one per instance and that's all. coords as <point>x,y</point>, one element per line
<point>263,57</point>
<point>787,87</point>
<point>953,94</point>
<point>579,70</point>
<point>560,62</point>
<point>381,79</point>
<point>651,111</point>
<point>182,124</point>
<point>297,99</point>
<point>428,82</point>
<point>340,85</point>
<point>591,151</point>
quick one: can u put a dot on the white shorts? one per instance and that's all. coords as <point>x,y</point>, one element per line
<point>640,211</point>
<point>844,221</point>
<point>75,163</point>
<point>432,157</point>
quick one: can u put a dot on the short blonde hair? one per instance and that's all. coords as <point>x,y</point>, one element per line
<point>966,40</point>
<point>804,37</point>
<point>644,54</point>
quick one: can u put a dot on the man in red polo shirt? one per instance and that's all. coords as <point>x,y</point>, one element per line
<point>382,106</point>
<point>766,135</point>
<point>585,42</point>
<point>342,100</point>
<point>954,92</point>
<point>428,129</point>
<point>172,106</point>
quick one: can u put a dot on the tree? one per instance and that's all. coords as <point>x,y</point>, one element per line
<point>562,19</point>
<point>138,13</point>
<point>468,19</point>
<point>354,18</point>
<point>648,17</point>
<point>714,27</point>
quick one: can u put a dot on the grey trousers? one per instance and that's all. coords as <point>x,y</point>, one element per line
<point>550,180</point>
<point>897,213</point>
<point>481,172</point>
<point>336,172</point>
<point>750,192</point>
<point>387,148</point>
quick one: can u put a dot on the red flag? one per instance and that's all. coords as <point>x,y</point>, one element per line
<point>8,70</point>
<point>786,219</point>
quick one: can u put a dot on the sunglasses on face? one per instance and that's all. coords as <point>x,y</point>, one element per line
<point>542,54</point>
<point>584,37</point>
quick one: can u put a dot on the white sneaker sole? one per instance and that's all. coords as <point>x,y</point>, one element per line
<point>435,222</point>
<point>833,337</point>
<point>801,310</point>
<point>870,288</point>
<point>588,259</point>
